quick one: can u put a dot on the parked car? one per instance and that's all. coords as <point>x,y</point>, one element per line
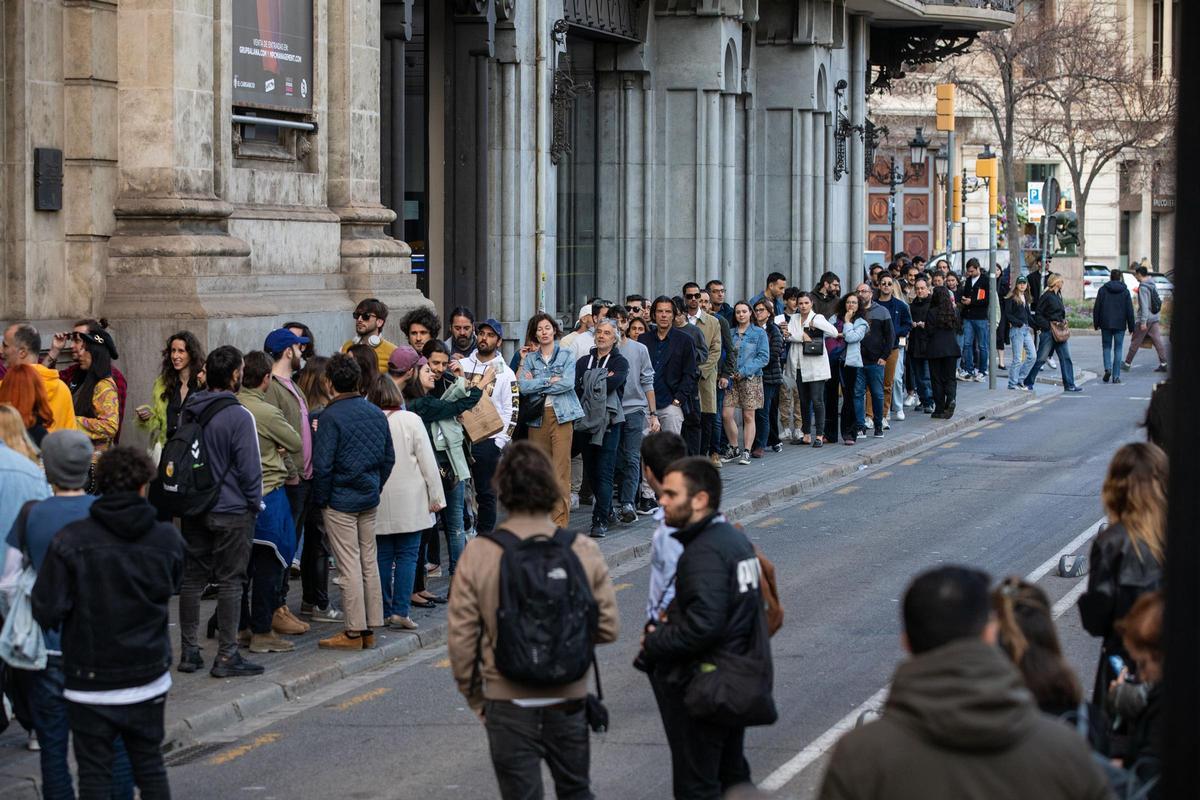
<point>956,259</point>
<point>1094,276</point>
<point>1163,284</point>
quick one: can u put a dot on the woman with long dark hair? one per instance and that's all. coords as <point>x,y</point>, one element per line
<point>942,349</point>
<point>854,329</point>
<point>182,359</point>
<point>766,419</point>
<point>97,406</point>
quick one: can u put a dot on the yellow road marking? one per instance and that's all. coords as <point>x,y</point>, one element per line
<point>847,489</point>
<point>362,698</point>
<point>809,506</point>
<point>908,462</point>
<point>949,445</point>
<point>621,586</point>
<point>972,434</point>
<point>443,664</point>
<point>241,750</point>
<point>878,476</point>
<point>996,425</point>
<point>771,522</point>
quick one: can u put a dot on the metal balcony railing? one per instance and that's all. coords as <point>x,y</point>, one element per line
<point>1009,6</point>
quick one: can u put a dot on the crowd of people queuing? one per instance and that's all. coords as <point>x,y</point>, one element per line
<point>365,459</point>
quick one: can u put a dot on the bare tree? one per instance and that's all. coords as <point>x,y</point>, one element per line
<point>1004,72</point>
<point>1100,101</point>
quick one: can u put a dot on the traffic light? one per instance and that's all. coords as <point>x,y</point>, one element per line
<point>993,198</point>
<point>956,200</point>
<point>945,106</point>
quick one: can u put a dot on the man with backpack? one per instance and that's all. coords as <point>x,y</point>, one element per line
<point>1148,307</point>
<point>525,674</point>
<point>216,431</point>
<point>715,619</point>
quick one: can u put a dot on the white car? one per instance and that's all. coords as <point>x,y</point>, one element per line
<point>1094,276</point>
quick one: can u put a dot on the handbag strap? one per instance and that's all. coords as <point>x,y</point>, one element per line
<point>596,670</point>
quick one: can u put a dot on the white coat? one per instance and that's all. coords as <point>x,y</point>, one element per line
<point>415,482</point>
<point>812,368</point>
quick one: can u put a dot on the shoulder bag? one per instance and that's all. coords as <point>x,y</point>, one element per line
<point>1061,331</point>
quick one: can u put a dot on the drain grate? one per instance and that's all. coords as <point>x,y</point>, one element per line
<point>196,752</point>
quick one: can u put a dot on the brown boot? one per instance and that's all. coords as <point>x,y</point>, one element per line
<point>283,622</point>
<point>295,619</point>
<point>270,643</point>
<point>342,641</point>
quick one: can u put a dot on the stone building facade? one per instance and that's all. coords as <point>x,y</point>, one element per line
<point>508,155</point>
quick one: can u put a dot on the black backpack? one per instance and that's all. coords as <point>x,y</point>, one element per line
<point>187,485</point>
<point>1155,300</point>
<point>547,618</point>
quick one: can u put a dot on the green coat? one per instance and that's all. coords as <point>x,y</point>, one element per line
<point>275,438</point>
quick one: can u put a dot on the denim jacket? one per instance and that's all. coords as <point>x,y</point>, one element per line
<point>534,379</point>
<point>753,350</point>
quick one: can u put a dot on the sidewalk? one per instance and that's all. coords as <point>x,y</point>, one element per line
<point>199,706</point>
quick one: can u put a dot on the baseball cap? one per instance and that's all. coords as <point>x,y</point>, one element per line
<point>281,339</point>
<point>494,325</point>
<point>585,310</point>
<point>67,456</point>
<point>404,358</point>
<point>1022,279</point>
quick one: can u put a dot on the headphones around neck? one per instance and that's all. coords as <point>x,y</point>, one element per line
<point>373,340</point>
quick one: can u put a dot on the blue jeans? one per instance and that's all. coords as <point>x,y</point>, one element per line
<point>762,417</point>
<point>869,377</point>
<point>452,522</point>
<point>920,370</point>
<point>975,336</point>
<point>1112,342</point>
<point>599,463</point>
<point>1046,346</point>
<point>629,456</point>
<point>1024,353</point>
<point>721,442</point>
<point>397,555</point>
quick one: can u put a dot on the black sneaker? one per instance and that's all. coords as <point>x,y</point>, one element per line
<point>1107,376</point>
<point>598,531</point>
<point>234,667</point>
<point>879,434</point>
<point>1116,380</point>
<point>1161,368</point>
<point>645,506</point>
<point>585,500</point>
<point>190,659</point>
<point>628,514</point>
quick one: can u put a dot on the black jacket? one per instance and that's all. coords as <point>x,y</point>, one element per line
<point>1049,309</point>
<point>978,292</point>
<point>881,336</point>
<point>943,340</point>
<point>107,580</point>
<point>1113,309</point>
<point>1035,287</point>
<point>918,337</point>
<point>1119,572</point>
<point>675,371</point>
<point>772,373</point>
<point>717,598</point>
<point>1016,314</point>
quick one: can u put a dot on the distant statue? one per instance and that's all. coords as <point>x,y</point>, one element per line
<point>1066,227</point>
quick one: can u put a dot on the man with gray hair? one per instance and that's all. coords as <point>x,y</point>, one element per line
<point>23,345</point>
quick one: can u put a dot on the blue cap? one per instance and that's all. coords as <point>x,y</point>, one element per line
<point>281,339</point>
<point>494,325</point>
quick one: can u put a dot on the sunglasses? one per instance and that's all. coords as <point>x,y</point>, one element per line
<point>634,309</point>
<point>362,316</point>
<point>692,295</point>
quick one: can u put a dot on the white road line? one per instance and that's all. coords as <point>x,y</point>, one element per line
<point>823,743</point>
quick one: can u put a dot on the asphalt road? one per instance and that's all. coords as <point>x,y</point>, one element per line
<point>1005,497</point>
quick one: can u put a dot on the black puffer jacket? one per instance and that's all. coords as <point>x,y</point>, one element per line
<point>918,337</point>
<point>1114,308</point>
<point>772,373</point>
<point>1119,572</point>
<point>717,603</point>
<point>107,580</point>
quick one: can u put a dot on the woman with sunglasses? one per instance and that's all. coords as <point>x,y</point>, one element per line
<point>97,407</point>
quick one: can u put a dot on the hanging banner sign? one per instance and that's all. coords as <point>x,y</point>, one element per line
<point>273,54</point>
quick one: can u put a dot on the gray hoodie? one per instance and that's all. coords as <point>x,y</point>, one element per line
<point>1144,293</point>
<point>641,376</point>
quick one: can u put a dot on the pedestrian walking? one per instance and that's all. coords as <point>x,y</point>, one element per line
<point>717,609</point>
<point>538,712</point>
<point>660,451</point>
<point>1112,315</point>
<point>106,581</point>
<point>744,389</point>
<point>1018,313</point>
<point>352,459</point>
<point>809,361</point>
<point>219,539</point>
<point>1127,556</point>
<point>854,329</point>
<point>411,495</point>
<point>1147,323</point>
<point>1051,317</point>
<point>546,380</point>
<point>958,721</point>
<point>600,379</point>
<point>370,315</point>
<point>943,351</point>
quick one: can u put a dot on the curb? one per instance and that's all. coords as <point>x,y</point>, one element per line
<point>186,732</point>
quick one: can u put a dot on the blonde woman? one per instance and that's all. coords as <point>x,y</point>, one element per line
<point>13,433</point>
<point>1126,560</point>
<point>1019,316</point>
<point>1050,309</point>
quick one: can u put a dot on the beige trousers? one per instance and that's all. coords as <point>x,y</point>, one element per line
<point>352,539</point>
<point>555,440</point>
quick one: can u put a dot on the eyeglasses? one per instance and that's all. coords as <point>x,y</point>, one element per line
<point>692,295</point>
<point>885,283</point>
<point>363,316</point>
<point>634,309</point>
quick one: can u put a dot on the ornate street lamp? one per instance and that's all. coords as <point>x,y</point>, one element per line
<point>898,176</point>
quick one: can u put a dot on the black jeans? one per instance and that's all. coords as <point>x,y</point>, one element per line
<point>945,383</point>
<point>706,760</point>
<point>812,394</point>
<point>707,427</point>
<point>832,385</point>
<point>217,545</point>
<point>314,559</point>
<point>521,738</point>
<point>487,456</point>
<point>691,432</point>
<point>261,597</point>
<point>94,731</point>
<point>849,379</point>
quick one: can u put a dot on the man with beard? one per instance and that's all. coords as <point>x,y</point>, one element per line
<point>507,400</point>
<point>462,341</point>
<point>827,294</point>
<point>369,318</point>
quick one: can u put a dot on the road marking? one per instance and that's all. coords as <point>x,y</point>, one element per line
<point>949,445</point>
<point>908,462</point>
<point>620,587</point>
<point>812,504</point>
<point>241,750</point>
<point>443,664</point>
<point>362,698</point>
<point>973,435</point>
<point>878,476</point>
<point>997,425</point>
<point>770,522</point>
<point>847,489</point>
<point>823,743</point>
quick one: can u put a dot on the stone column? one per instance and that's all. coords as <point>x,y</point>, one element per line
<point>802,266</point>
<point>372,263</point>
<point>858,189</point>
<point>816,199</point>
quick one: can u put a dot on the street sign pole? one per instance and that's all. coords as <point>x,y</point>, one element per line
<point>993,300</point>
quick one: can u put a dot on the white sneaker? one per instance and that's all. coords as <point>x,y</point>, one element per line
<point>785,434</point>
<point>1051,363</point>
<point>886,426</point>
<point>962,375</point>
<point>900,415</point>
<point>911,401</point>
<point>979,377</point>
<point>574,501</point>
